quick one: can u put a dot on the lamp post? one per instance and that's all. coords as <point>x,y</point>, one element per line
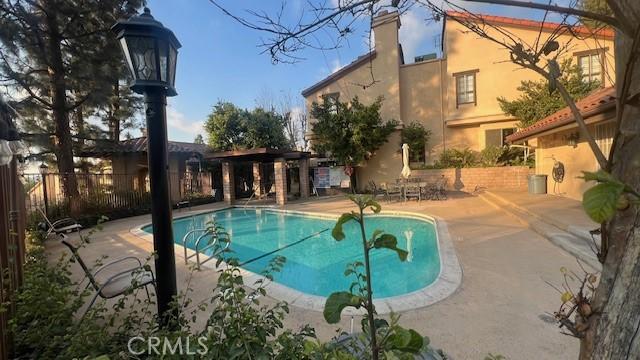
<point>150,50</point>
<point>44,171</point>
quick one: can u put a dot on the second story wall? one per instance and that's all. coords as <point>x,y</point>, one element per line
<point>487,66</point>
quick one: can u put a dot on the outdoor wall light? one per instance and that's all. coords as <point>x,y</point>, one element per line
<point>572,139</point>
<point>151,52</point>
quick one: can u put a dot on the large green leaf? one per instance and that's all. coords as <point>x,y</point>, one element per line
<point>337,231</point>
<point>599,176</point>
<point>405,340</point>
<point>373,204</point>
<point>390,242</point>
<point>600,202</point>
<point>336,302</point>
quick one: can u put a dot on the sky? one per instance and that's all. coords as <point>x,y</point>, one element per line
<point>220,60</point>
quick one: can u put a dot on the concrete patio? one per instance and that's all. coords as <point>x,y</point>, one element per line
<point>503,305</point>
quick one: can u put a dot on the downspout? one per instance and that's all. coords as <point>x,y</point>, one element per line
<point>442,79</point>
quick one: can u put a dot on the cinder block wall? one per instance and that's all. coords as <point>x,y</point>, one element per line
<point>470,179</point>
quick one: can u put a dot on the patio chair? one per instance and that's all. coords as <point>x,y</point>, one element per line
<point>393,190</point>
<point>440,192</point>
<point>376,190</point>
<point>412,190</point>
<point>60,227</point>
<point>122,279</point>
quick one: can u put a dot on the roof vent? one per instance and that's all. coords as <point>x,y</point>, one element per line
<point>421,58</point>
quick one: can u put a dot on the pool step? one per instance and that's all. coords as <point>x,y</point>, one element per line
<point>575,241</point>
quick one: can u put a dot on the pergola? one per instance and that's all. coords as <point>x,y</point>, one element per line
<point>258,156</point>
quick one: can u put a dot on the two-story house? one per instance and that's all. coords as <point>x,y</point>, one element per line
<point>454,96</point>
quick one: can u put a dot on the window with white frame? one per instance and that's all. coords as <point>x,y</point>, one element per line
<point>591,66</point>
<point>466,87</point>
<point>332,101</point>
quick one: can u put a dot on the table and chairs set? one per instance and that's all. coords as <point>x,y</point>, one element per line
<point>405,189</point>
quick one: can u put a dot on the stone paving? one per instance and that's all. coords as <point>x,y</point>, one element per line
<point>502,306</point>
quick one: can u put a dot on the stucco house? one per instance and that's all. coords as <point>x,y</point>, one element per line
<point>560,146</point>
<point>130,168</point>
<point>454,96</point>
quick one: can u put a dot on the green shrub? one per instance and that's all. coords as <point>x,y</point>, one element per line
<point>417,137</point>
<point>455,158</point>
<point>491,155</point>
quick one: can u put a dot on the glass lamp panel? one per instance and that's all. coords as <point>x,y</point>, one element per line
<point>163,54</point>
<point>142,52</point>
<point>127,56</point>
<point>173,54</point>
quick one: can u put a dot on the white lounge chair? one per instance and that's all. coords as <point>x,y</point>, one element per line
<point>62,226</point>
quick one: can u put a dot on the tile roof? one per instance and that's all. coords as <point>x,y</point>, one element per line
<point>595,103</point>
<point>550,26</point>
<point>139,145</point>
<point>338,74</point>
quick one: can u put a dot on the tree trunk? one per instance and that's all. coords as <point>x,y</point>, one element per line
<point>114,120</point>
<point>63,146</point>
<point>614,329</point>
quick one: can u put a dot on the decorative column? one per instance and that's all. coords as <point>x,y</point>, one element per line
<point>228,186</point>
<point>257,178</point>
<point>304,177</point>
<point>280,170</point>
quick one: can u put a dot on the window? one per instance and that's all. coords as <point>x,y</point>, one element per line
<point>591,65</point>
<point>497,137</point>
<point>466,87</point>
<point>332,101</point>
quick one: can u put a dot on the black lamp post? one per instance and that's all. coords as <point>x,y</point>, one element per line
<point>151,51</point>
<point>44,171</point>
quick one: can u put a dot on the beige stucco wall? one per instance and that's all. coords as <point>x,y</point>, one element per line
<point>385,68</point>
<point>496,75</point>
<point>575,160</point>
<point>425,92</point>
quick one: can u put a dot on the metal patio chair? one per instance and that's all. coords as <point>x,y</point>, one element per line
<point>412,190</point>
<point>118,282</point>
<point>60,227</point>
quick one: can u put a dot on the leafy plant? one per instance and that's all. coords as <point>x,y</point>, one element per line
<point>230,127</point>
<point>608,196</point>
<point>490,156</point>
<point>416,136</point>
<point>455,158</point>
<point>382,337</point>
<point>350,133</point>
<point>536,101</point>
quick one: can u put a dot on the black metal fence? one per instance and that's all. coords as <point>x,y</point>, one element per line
<point>110,195</point>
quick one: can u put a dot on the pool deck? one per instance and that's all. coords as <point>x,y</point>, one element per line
<point>502,306</point>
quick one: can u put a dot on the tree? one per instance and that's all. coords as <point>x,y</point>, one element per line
<point>229,127</point>
<point>350,133</point>
<point>416,136</point>
<point>536,101</point>
<point>198,139</point>
<point>53,52</point>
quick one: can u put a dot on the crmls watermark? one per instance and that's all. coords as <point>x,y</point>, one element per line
<point>153,345</point>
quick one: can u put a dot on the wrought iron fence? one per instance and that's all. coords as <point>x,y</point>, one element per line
<point>111,195</point>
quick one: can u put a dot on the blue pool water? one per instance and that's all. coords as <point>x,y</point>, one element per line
<point>316,265</point>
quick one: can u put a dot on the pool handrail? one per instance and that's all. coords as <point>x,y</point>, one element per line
<point>205,233</point>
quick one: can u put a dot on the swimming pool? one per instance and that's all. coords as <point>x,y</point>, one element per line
<point>316,265</point>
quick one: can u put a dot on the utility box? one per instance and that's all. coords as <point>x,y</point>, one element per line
<point>537,184</point>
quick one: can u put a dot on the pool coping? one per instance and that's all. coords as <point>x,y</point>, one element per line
<point>445,284</point>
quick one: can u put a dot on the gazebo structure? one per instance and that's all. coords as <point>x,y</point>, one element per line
<point>258,157</point>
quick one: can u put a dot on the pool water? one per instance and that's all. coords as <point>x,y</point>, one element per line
<point>316,265</point>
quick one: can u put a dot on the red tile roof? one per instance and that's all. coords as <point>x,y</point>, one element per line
<point>595,103</point>
<point>550,26</point>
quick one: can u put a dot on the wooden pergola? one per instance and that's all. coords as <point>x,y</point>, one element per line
<point>259,156</point>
